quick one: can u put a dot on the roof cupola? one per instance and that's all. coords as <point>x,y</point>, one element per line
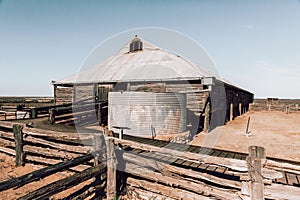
<point>136,44</point>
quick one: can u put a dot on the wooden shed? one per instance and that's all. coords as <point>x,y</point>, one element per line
<point>142,66</point>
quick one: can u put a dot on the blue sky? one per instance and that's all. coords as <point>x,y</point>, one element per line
<point>255,44</point>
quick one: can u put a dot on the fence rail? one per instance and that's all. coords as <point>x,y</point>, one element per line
<point>279,105</point>
<point>10,113</point>
<point>51,189</point>
<point>153,169</point>
<point>44,110</point>
<point>203,175</point>
<point>42,146</point>
<point>80,113</point>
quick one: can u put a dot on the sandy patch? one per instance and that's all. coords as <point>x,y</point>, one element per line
<point>277,131</point>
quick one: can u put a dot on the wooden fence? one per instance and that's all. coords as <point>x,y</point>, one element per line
<point>59,152</point>
<point>92,180</point>
<point>12,112</point>
<point>42,146</point>
<point>284,105</point>
<point>80,113</point>
<point>45,110</point>
<point>152,169</point>
<point>160,172</point>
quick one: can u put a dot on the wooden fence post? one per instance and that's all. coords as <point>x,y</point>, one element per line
<point>18,135</point>
<point>247,129</point>
<point>33,113</point>
<point>52,113</point>
<point>254,169</point>
<point>231,112</point>
<point>287,109</point>
<point>206,117</point>
<point>240,108</point>
<point>98,144</point>
<point>111,169</point>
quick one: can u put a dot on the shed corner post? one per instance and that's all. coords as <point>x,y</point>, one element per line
<point>207,112</point>
<point>54,95</point>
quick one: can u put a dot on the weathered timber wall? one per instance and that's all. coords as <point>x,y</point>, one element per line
<point>206,109</point>
<point>80,114</point>
<point>240,101</point>
<point>63,95</point>
<point>196,99</point>
<point>85,93</point>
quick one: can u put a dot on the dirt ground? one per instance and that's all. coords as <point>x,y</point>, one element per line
<point>9,171</point>
<point>44,123</point>
<point>277,132</point>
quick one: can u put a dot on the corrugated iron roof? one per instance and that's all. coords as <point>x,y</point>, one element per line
<point>151,63</point>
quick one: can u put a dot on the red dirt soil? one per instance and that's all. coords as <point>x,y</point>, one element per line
<point>277,131</point>
<point>8,171</point>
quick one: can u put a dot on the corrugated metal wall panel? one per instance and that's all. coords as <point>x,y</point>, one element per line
<point>144,113</point>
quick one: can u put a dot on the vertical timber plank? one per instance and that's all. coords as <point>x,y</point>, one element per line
<point>111,169</point>
<point>231,112</point>
<point>240,108</point>
<point>98,144</point>
<point>18,135</point>
<point>254,169</point>
<point>206,117</point>
<point>55,88</point>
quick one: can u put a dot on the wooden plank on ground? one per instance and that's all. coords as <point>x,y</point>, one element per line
<point>165,167</point>
<point>203,166</point>
<point>292,179</point>
<point>220,170</point>
<point>211,168</point>
<point>193,149</point>
<point>215,153</point>
<point>166,191</point>
<point>223,154</point>
<point>230,155</point>
<point>282,180</point>
<point>277,191</point>
<point>195,165</point>
<point>181,183</point>
<point>233,164</point>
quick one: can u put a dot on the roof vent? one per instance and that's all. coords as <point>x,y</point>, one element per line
<point>136,44</point>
